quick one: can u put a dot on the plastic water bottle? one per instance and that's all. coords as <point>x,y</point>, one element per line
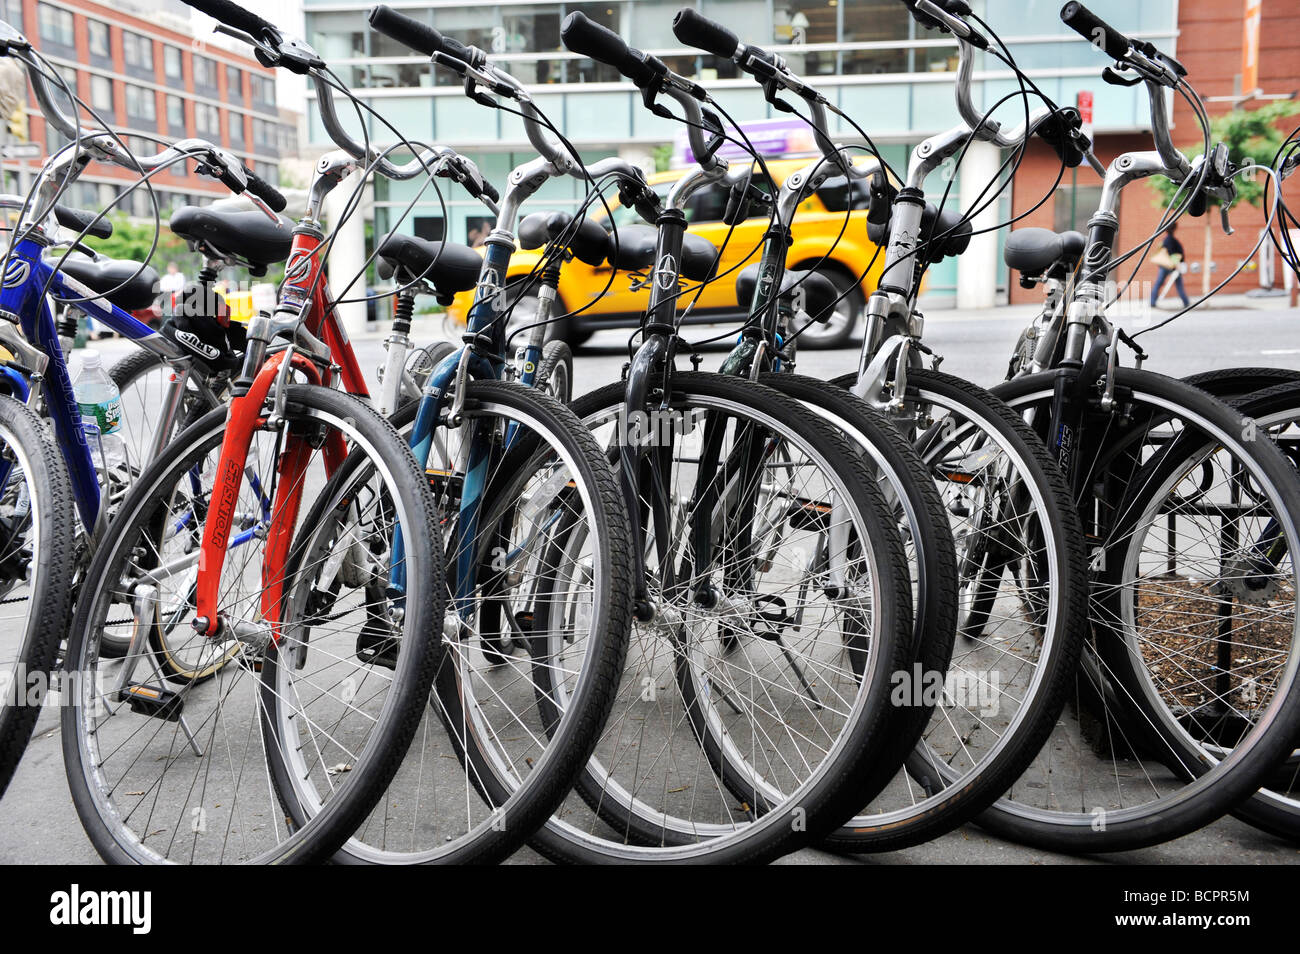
<point>101,417</point>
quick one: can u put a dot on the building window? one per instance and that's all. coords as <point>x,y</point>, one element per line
<point>176,115</point>
<point>262,88</point>
<point>1072,206</point>
<point>97,35</point>
<point>235,126</point>
<point>207,120</point>
<point>263,132</point>
<point>234,83</point>
<point>137,50</point>
<point>205,72</point>
<point>141,103</point>
<point>12,11</point>
<point>55,25</point>
<point>101,95</point>
<point>172,62</point>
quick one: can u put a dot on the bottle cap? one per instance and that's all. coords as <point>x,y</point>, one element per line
<point>90,359</point>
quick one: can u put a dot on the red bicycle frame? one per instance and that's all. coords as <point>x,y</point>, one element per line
<point>304,279</point>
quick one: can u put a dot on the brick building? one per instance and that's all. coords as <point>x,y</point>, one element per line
<point>1209,44</point>
<point>147,74</point>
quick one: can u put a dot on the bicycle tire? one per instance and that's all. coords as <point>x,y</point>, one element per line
<point>555,371</point>
<point>834,790</point>
<point>31,447</point>
<point>945,803</point>
<point>1218,786</point>
<point>511,815</point>
<point>363,781</point>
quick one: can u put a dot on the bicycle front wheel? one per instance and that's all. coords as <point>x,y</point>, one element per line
<point>756,700</point>
<point>1185,701</point>
<point>331,690</point>
<point>541,581</point>
<point>1021,576</point>
<point>37,538</point>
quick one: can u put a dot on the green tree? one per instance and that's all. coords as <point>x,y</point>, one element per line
<point>132,239</point>
<point>662,155</point>
<point>1252,136</point>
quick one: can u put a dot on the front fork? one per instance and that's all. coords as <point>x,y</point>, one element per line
<point>244,418</point>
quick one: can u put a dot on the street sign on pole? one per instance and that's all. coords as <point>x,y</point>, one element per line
<point>21,150</point>
<point>1083,100</point>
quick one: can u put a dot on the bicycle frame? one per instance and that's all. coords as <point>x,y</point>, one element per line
<point>24,303</point>
<point>305,298</point>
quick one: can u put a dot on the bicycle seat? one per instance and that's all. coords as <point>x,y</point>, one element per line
<point>1034,251</point>
<point>589,242</point>
<point>635,252</point>
<point>103,275</point>
<point>448,266</point>
<point>244,234</point>
<point>819,292</point>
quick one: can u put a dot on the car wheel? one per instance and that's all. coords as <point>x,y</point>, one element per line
<point>835,331</point>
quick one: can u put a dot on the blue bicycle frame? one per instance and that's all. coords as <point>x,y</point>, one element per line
<point>486,362</point>
<point>23,300</point>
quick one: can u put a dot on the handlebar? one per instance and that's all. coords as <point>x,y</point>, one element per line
<point>1095,30</point>
<point>421,37</point>
<point>1155,69</point>
<point>273,48</point>
<point>474,66</point>
<point>589,38</point>
<point>471,63</point>
<point>232,14</point>
<point>650,74</point>
<point>213,160</point>
<point>273,197</point>
<point>768,68</point>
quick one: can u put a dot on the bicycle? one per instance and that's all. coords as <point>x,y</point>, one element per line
<point>984,463</point>
<point>1138,449</point>
<point>717,564</point>
<point>509,469</point>
<point>66,504</point>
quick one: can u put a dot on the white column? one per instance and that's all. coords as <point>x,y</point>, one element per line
<point>977,267</point>
<point>638,155</point>
<point>348,252</point>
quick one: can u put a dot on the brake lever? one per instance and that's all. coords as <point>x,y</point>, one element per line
<point>261,204</point>
<point>1223,217</point>
<point>1115,78</point>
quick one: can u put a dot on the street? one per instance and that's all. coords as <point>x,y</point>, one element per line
<point>39,825</point>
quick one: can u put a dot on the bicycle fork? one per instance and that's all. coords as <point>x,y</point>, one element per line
<point>244,418</point>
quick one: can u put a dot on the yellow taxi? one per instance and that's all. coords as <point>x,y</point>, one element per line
<point>816,234</point>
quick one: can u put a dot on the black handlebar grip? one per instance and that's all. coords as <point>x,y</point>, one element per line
<point>956,8</point>
<point>699,31</point>
<point>268,193</point>
<point>420,37</point>
<point>1095,30</point>
<point>232,14</point>
<point>491,192</point>
<point>589,38</point>
<point>80,221</point>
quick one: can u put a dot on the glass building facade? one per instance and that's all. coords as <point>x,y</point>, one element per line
<point>869,57</point>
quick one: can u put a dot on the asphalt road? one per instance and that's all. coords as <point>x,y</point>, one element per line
<point>38,824</point>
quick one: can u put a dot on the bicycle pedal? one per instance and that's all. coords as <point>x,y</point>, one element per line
<point>810,515</point>
<point>445,483</point>
<point>376,646</point>
<point>153,701</point>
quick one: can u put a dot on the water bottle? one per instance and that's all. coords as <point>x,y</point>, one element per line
<point>101,417</point>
